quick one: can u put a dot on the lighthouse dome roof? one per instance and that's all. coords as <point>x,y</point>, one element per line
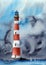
<point>16,13</point>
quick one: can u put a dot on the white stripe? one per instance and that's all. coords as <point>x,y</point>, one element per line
<point>16,22</point>
<point>13,56</point>
<point>18,56</point>
<point>16,44</point>
<point>16,31</point>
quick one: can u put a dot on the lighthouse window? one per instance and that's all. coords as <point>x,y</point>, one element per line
<point>15,32</point>
<point>15,44</point>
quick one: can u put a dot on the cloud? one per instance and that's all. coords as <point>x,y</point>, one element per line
<point>36,1</point>
<point>3,6</point>
<point>7,8</point>
<point>10,9</point>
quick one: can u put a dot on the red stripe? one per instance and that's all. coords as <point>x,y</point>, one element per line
<point>16,51</point>
<point>16,37</point>
<point>16,26</point>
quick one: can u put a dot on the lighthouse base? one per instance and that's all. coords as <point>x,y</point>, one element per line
<point>14,56</point>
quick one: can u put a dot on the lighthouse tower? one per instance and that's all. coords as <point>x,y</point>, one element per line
<point>16,37</point>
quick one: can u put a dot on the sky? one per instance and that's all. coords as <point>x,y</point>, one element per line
<point>25,8</point>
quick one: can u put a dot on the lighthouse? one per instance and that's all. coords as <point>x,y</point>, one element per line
<point>16,37</point>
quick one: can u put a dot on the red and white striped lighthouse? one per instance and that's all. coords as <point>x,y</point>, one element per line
<point>16,37</point>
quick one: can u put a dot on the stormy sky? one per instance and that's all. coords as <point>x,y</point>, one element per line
<point>31,7</point>
<point>25,8</point>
